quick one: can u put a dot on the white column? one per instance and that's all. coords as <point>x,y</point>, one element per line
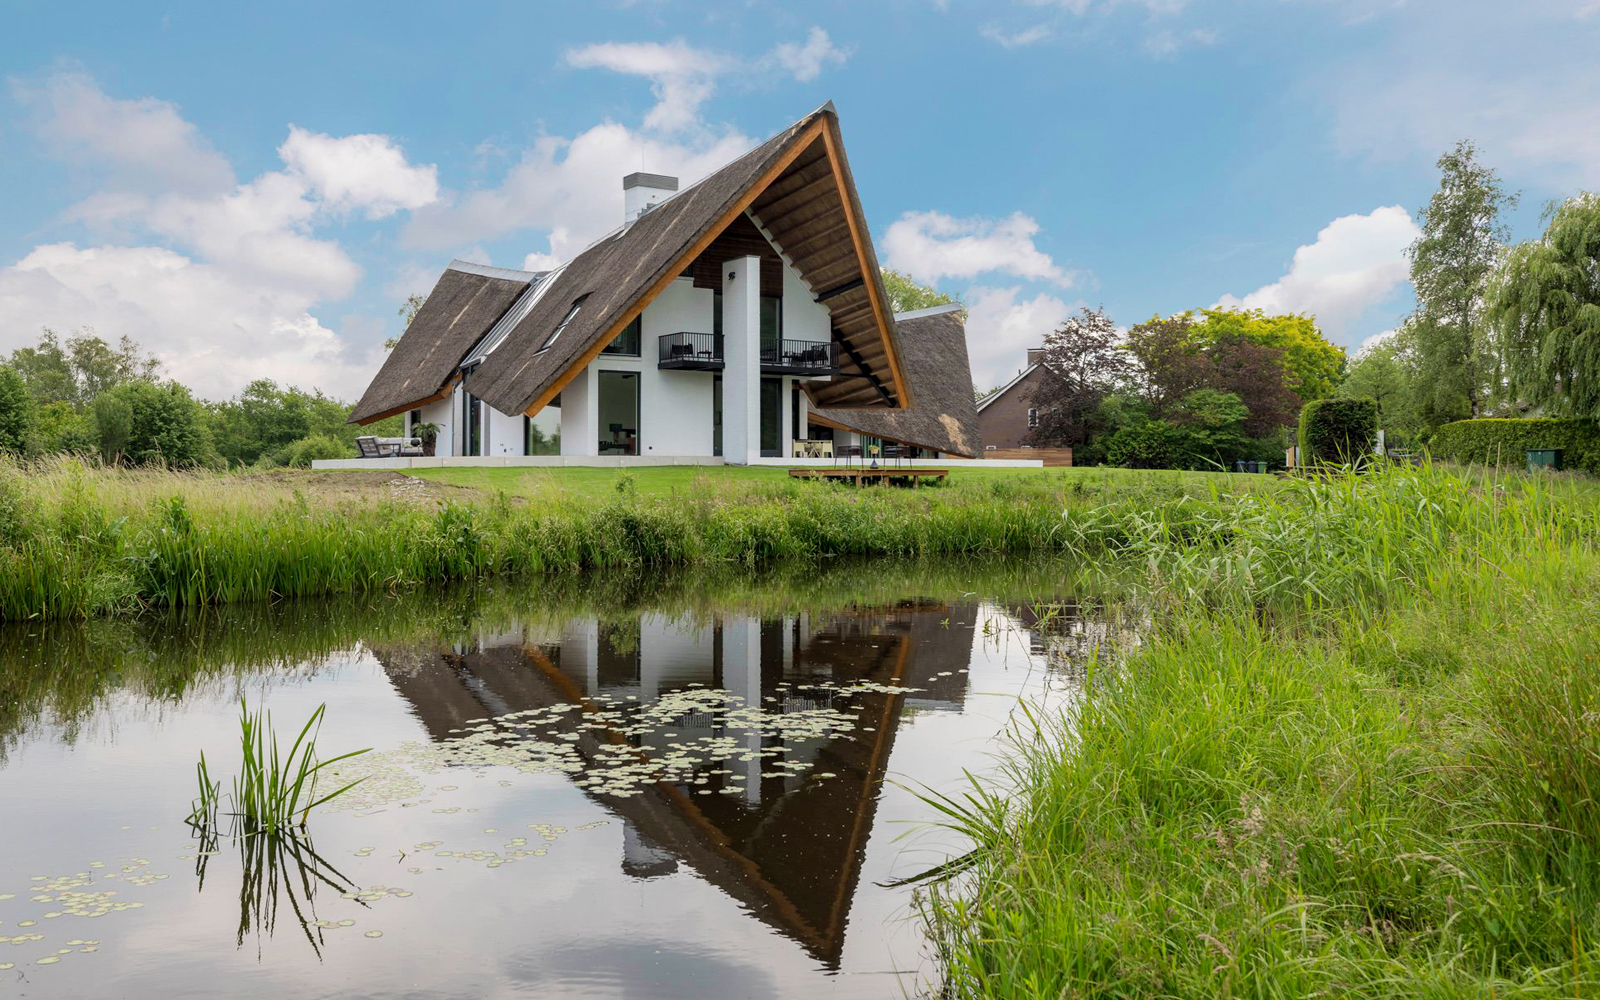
<point>741,675</point>
<point>741,360</point>
<point>580,414</point>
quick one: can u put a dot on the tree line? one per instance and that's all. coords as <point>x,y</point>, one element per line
<point>85,396</point>
<point>1498,330</point>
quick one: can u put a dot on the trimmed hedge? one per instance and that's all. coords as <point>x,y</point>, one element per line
<point>1506,441</point>
<point>1338,430</point>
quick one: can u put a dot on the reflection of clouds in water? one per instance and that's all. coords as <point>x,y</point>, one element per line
<point>641,968</point>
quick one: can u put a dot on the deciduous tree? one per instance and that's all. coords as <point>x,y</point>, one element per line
<point>1544,313</point>
<point>907,294</point>
<point>1462,242</point>
<point>1084,361</point>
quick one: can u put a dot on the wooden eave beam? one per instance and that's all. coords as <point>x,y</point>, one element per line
<point>449,387</point>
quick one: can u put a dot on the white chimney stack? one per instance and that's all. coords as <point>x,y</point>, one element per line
<point>641,192</point>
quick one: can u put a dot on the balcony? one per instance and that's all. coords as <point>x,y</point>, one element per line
<point>690,351</point>
<point>800,357</point>
<point>703,352</point>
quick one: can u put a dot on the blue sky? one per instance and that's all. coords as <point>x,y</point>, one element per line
<point>251,191</point>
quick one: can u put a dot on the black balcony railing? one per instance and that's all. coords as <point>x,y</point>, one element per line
<point>690,350</point>
<point>703,351</point>
<point>800,357</point>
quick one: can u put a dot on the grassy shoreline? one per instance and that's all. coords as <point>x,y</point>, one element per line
<point>80,542</point>
<point>1359,756</point>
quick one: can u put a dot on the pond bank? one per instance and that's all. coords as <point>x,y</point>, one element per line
<point>81,541</point>
<point>1386,789</point>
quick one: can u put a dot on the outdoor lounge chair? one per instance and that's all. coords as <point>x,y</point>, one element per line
<point>847,452</point>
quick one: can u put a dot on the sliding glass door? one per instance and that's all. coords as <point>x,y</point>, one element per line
<point>771,417</point>
<point>619,413</point>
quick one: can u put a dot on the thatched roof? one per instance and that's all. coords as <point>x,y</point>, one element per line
<point>797,190</point>
<point>943,416</point>
<point>465,303</point>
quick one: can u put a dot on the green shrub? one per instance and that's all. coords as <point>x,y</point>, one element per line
<point>1154,444</point>
<point>303,452</point>
<point>1337,430</point>
<point>1506,441</point>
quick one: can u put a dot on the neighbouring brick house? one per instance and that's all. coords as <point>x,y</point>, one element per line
<point>1006,415</point>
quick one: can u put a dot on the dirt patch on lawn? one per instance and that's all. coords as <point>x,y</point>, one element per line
<point>354,486</point>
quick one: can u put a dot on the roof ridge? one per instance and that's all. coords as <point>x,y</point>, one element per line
<point>930,311</point>
<point>488,271</point>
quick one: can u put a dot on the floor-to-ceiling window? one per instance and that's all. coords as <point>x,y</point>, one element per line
<point>619,413</point>
<point>716,414</point>
<point>771,417</point>
<point>471,424</point>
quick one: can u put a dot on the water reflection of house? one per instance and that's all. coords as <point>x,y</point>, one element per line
<point>788,848</point>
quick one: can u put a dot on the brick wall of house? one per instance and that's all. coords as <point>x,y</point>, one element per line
<point>1004,422</point>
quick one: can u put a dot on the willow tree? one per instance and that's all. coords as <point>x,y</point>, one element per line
<point>1462,242</point>
<point>1544,313</point>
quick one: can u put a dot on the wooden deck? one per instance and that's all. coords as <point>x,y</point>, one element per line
<point>861,476</point>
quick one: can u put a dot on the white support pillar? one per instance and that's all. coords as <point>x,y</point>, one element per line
<point>580,414</point>
<point>741,675</point>
<point>741,360</point>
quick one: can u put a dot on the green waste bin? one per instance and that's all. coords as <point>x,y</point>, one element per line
<point>1544,458</point>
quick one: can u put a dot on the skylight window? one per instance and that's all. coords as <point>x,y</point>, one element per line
<point>561,326</point>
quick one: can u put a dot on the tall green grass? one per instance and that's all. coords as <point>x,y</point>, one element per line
<point>1357,756</point>
<point>86,541</point>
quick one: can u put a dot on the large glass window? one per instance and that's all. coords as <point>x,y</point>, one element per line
<point>471,424</point>
<point>716,414</point>
<point>771,323</point>
<point>619,413</point>
<point>771,416</point>
<point>627,342</point>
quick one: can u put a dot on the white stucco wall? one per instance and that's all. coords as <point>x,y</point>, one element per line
<point>580,415</point>
<point>444,413</point>
<point>505,433</point>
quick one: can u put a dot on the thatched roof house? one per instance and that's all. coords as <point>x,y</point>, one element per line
<point>705,311</point>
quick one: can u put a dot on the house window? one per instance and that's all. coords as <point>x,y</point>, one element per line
<point>619,413</point>
<point>1033,416</point>
<point>561,326</point>
<point>413,418</point>
<point>771,322</point>
<point>472,442</point>
<point>627,342</point>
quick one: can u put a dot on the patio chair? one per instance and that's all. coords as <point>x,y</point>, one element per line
<point>897,452</point>
<point>368,447</point>
<point>400,447</point>
<point>847,452</point>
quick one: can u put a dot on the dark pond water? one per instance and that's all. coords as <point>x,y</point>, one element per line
<point>613,795</point>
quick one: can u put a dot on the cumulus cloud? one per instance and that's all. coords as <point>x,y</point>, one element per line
<point>146,143</point>
<point>931,246</point>
<point>224,286</point>
<point>571,188</point>
<point>367,172</point>
<point>806,61</point>
<point>1166,43</point>
<point>214,329</point>
<point>1357,262</point>
<point>683,77</point>
<point>1002,325</point>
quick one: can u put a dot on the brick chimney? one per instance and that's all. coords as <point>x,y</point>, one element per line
<point>1035,355</point>
<point>641,192</point>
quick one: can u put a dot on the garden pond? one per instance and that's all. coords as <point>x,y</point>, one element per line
<point>607,788</point>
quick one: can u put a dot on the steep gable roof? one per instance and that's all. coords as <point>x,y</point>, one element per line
<point>943,418</point>
<point>467,301</point>
<point>798,188</point>
<point>1021,376</point>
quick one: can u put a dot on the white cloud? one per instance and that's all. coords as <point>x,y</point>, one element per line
<point>1016,39</point>
<point>681,76</point>
<point>359,171</point>
<point>1373,341</point>
<point>146,143</point>
<point>223,277</point>
<point>214,329</point>
<point>1166,43</point>
<point>1357,262</point>
<point>1001,326</point>
<point>932,245</point>
<point>571,188</point>
<point>806,61</point>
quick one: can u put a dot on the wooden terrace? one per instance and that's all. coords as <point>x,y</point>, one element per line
<point>862,476</point>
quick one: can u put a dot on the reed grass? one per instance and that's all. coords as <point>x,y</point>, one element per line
<point>274,792</point>
<point>1357,757</point>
